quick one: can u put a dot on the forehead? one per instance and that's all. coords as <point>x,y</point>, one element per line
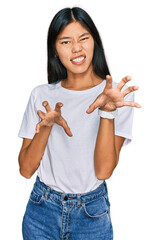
<point>73,29</point>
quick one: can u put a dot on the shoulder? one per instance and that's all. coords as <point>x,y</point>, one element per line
<point>43,88</point>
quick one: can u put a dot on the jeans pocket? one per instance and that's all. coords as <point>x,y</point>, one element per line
<point>96,208</point>
<point>108,206</point>
<point>36,195</point>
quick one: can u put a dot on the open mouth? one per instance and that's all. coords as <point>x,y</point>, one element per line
<point>78,60</point>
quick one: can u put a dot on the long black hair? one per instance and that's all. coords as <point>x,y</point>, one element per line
<point>55,69</point>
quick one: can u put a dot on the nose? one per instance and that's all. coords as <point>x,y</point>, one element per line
<point>76,47</point>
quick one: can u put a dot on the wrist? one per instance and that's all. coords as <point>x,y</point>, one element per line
<point>108,114</point>
<point>107,110</point>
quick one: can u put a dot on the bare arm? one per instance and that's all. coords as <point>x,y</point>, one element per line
<point>107,149</point>
<point>108,146</point>
<point>33,149</point>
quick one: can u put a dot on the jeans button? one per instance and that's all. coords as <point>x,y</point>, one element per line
<point>65,198</point>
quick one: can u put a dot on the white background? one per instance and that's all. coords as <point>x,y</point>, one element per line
<point>129,31</point>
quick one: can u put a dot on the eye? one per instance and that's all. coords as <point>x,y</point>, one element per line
<point>65,42</point>
<point>84,38</point>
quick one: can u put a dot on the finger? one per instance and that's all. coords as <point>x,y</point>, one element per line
<point>37,128</point>
<point>66,128</point>
<point>93,106</point>
<point>39,125</point>
<point>47,107</point>
<point>108,82</point>
<point>41,114</point>
<point>130,89</point>
<point>123,82</point>
<point>132,104</point>
<point>58,106</point>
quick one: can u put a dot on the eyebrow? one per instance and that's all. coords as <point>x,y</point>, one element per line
<point>84,34</point>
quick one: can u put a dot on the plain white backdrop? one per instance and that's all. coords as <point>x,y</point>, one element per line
<point>129,32</point>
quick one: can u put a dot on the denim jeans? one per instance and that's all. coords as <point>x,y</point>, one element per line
<point>55,215</point>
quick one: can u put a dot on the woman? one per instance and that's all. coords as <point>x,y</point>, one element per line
<point>74,145</point>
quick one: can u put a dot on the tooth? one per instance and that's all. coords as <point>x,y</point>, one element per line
<point>78,59</point>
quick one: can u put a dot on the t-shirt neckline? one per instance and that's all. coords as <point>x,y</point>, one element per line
<point>86,91</point>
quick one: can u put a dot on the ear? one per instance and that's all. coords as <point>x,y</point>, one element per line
<point>56,54</point>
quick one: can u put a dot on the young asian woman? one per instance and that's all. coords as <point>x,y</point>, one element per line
<point>73,130</point>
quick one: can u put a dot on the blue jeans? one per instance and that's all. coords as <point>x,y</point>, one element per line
<point>55,215</point>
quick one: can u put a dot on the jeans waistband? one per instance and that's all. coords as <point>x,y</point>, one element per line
<point>84,197</point>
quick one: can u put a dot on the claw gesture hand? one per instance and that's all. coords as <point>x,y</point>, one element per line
<point>51,117</point>
<point>112,98</point>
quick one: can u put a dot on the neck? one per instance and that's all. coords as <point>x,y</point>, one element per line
<point>81,81</point>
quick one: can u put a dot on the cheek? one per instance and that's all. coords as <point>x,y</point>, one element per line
<point>64,54</point>
<point>64,58</point>
<point>90,49</point>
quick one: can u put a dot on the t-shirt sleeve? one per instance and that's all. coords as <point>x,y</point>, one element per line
<point>124,120</point>
<point>30,119</point>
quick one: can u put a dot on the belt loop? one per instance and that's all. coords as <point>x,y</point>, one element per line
<point>47,192</point>
<point>78,199</point>
<point>106,189</point>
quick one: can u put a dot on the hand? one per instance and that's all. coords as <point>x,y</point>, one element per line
<point>112,98</point>
<point>51,117</point>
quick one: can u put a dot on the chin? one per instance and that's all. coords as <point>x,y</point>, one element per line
<point>79,70</point>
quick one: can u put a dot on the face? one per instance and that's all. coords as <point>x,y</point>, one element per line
<point>75,46</point>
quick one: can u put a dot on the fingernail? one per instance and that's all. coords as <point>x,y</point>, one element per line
<point>139,106</point>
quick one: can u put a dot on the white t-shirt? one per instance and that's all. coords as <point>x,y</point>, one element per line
<point>68,162</point>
